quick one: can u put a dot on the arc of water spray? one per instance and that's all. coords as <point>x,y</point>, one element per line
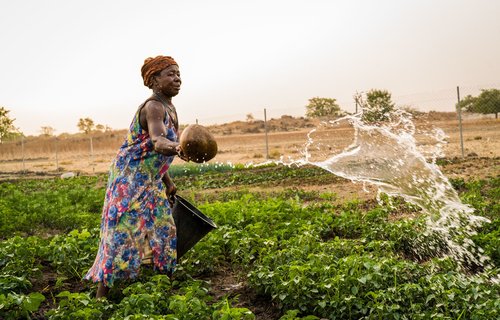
<point>387,156</point>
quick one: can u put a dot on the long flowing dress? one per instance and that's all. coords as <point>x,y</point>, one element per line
<point>136,208</point>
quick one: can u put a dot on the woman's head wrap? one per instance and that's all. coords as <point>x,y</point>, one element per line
<point>153,65</point>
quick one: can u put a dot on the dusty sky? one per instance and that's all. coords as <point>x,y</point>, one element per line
<point>63,60</point>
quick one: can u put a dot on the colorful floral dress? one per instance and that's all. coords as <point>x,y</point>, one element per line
<point>136,208</point>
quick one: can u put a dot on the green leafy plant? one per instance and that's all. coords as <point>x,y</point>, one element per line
<point>226,312</point>
<point>73,305</point>
<point>72,254</point>
<point>310,257</point>
<point>18,306</point>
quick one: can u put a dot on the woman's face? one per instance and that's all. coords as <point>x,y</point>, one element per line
<point>168,81</point>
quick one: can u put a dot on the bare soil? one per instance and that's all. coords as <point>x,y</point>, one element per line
<point>481,149</point>
<point>230,283</point>
<point>238,142</point>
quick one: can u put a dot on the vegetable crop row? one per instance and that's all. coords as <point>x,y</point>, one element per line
<point>349,261</point>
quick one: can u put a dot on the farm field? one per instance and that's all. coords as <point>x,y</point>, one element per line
<point>292,243</point>
<point>238,142</point>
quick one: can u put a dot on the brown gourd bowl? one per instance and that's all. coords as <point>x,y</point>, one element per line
<point>197,143</point>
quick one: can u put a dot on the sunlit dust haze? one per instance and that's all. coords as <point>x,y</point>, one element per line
<point>65,60</point>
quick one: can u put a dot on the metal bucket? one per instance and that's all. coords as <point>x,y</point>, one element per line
<point>191,224</point>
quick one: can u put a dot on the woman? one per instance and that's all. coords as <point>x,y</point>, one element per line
<point>137,210</point>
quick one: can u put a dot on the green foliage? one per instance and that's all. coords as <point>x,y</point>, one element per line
<point>311,258</point>
<point>191,169</point>
<point>36,206</point>
<point>226,312</point>
<point>71,255</point>
<point>19,306</point>
<point>487,102</point>
<point>7,128</point>
<point>160,299</point>
<point>19,257</point>
<point>377,106</point>
<point>10,283</point>
<point>79,306</point>
<point>293,315</point>
<point>270,175</point>
<point>323,107</point>
<point>191,302</point>
<point>484,196</point>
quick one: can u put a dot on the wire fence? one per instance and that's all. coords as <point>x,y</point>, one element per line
<point>476,133</point>
<point>439,100</point>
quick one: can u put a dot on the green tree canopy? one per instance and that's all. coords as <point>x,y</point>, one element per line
<point>487,102</point>
<point>377,106</point>
<point>86,125</point>
<point>7,128</point>
<point>323,107</point>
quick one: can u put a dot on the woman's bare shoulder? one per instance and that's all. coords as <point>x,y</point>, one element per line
<point>152,110</point>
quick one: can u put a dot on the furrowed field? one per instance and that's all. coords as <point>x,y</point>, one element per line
<point>290,245</point>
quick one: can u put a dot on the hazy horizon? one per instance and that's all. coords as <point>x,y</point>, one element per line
<point>65,60</point>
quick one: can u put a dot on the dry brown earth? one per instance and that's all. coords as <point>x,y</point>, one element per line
<point>242,142</point>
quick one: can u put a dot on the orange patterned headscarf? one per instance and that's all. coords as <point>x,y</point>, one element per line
<point>153,65</point>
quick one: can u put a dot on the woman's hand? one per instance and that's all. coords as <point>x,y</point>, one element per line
<point>180,153</point>
<point>170,189</point>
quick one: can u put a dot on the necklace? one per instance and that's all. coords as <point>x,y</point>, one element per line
<point>170,109</point>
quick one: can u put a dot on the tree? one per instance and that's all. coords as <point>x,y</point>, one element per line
<point>487,102</point>
<point>250,118</point>
<point>411,110</point>
<point>100,127</point>
<point>323,107</point>
<point>377,106</point>
<point>86,125</point>
<point>7,128</point>
<point>47,131</point>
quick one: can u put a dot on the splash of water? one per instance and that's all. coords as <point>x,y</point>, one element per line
<point>388,156</point>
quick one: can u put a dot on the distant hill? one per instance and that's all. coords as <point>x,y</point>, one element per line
<point>282,124</point>
<point>288,123</point>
